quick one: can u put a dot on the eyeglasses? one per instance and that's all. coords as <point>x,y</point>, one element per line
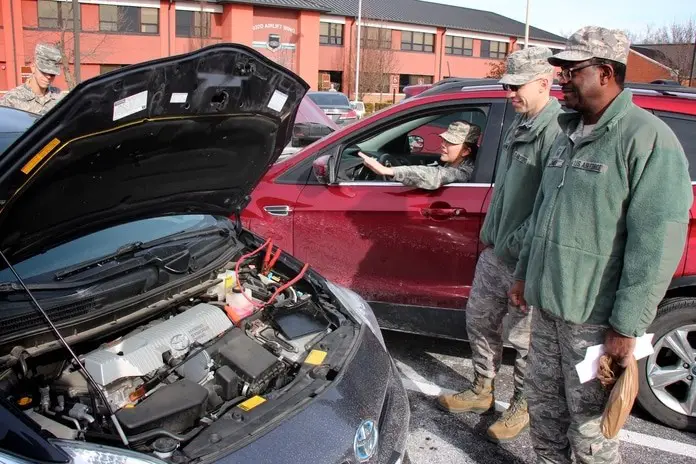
<point>515,88</point>
<point>567,73</point>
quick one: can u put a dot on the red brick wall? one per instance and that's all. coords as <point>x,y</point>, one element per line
<point>642,69</point>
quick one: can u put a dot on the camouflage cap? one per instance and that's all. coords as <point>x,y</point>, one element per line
<point>462,132</point>
<point>525,65</point>
<point>594,42</point>
<point>47,58</point>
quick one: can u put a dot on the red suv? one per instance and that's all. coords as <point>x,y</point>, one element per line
<point>411,253</point>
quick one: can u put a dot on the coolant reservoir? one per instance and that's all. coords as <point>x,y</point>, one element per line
<point>238,306</point>
<point>229,280</point>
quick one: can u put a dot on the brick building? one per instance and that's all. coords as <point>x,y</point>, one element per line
<point>404,41</point>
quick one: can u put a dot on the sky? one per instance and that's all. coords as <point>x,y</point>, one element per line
<point>566,17</point>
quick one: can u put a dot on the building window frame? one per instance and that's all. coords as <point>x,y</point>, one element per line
<point>417,41</point>
<point>63,18</point>
<point>119,19</point>
<point>198,24</point>
<point>376,38</point>
<point>459,46</point>
<point>330,33</point>
<point>494,49</point>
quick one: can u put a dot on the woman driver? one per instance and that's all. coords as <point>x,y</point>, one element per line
<point>459,147</point>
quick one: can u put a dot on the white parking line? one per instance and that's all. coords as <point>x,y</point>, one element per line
<point>415,382</point>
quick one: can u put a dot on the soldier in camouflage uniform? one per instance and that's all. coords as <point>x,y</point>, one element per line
<point>37,95</point>
<point>528,80</point>
<point>459,147</point>
<point>606,235</point>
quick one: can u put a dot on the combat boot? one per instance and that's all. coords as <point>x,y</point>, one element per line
<point>513,421</point>
<point>478,399</point>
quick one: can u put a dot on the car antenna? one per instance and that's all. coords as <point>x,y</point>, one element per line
<point>65,344</point>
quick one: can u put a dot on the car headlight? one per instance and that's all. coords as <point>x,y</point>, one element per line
<point>89,453</point>
<point>359,308</point>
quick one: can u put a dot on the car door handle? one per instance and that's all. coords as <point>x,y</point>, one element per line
<point>278,210</point>
<point>442,212</point>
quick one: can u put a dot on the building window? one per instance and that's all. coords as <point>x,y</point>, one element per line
<point>330,34</point>
<point>417,41</point>
<point>105,68</point>
<point>193,23</point>
<point>490,49</point>
<point>459,46</point>
<point>376,37</point>
<point>413,79</point>
<point>55,15</point>
<point>131,19</point>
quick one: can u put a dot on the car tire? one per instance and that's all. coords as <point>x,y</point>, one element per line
<point>664,378</point>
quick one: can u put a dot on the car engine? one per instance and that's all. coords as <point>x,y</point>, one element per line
<point>178,372</point>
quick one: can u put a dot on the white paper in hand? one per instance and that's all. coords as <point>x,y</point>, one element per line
<point>587,368</point>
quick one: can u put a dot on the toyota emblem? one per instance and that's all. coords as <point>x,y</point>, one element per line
<point>366,438</point>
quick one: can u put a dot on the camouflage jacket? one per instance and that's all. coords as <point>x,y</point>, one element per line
<point>24,98</point>
<point>433,177</point>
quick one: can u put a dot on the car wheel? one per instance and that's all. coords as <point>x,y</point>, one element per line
<point>668,376</point>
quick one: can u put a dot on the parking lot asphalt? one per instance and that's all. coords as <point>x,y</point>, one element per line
<point>431,366</point>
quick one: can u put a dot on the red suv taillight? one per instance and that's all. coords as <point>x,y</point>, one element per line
<point>349,115</point>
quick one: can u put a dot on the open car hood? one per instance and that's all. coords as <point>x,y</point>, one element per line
<point>192,133</point>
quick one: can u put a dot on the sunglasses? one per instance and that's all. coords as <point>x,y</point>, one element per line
<point>515,88</point>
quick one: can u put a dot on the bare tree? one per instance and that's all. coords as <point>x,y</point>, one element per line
<point>63,37</point>
<point>285,57</point>
<point>201,28</point>
<point>378,62</point>
<point>676,42</point>
<point>496,69</point>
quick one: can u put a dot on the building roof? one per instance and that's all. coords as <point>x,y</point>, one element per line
<point>290,4</point>
<point>676,56</point>
<point>417,12</point>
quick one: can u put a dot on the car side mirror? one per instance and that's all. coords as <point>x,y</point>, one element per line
<point>323,168</point>
<point>415,143</point>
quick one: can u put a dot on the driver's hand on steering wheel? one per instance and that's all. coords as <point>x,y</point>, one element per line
<point>375,166</point>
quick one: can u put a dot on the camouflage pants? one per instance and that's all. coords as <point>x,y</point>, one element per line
<point>565,414</point>
<point>485,310</point>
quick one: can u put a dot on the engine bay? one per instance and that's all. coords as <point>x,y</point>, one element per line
<point>250,336</point>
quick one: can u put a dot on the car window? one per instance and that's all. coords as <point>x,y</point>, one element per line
<point>105,242</point>
<point>329,99</point>
<point>414,142</point>
<point>684,128</point>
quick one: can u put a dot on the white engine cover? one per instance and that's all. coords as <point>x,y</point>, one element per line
<point>140,353</point>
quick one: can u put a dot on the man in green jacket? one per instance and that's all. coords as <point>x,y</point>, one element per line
<point>606,236</point>
<point>528,81</point>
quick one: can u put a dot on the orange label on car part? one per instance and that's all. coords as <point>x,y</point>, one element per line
<point>251,403</point>
<point>315,357</point>
<point>40,156</point>
<point>24,401</point>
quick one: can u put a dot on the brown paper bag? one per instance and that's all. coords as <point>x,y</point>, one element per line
<point>624,390</point>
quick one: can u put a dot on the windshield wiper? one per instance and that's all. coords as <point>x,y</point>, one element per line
<point>135,247</point>
<point>127,249</point>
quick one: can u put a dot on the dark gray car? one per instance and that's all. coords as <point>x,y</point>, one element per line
<point>148,326</point>
<point>336,106</point>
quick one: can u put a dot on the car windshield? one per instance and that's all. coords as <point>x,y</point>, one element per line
<point>105,242</point>
<point>329,99</point>
<point>7,138</point>
<point>13,123</point>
